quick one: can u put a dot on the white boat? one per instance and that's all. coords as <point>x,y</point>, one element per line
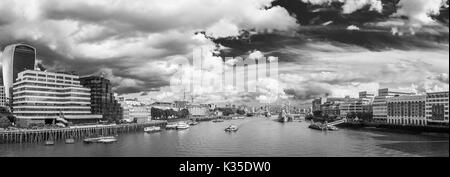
<point>107,140</point>
<point>231,128</point>
<point>332,128</point>
<point>218,120</point>
<point>102,139</point>
<point>182,125</point>
<point>192,123</point>
<point>152,129</point>
<point>171,126</point>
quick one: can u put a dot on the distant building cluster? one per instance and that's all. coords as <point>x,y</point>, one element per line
<point>399,108</point>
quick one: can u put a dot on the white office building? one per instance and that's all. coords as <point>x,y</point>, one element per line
<point>40,96</point>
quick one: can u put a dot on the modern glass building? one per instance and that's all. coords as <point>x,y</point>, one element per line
<point>15,59</point>
<point>41,96</point>
<point>102,98</point>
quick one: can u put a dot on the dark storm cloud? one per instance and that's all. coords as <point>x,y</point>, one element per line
<point>125,40</point>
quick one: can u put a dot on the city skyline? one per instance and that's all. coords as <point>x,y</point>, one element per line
<point>318,54</point>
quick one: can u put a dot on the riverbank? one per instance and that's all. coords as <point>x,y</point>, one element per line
<point>395,128</point>
<point>74,132</point>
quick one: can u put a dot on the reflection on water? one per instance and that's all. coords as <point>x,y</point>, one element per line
<point>255,137</point>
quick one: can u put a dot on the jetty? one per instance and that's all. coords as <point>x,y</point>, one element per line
<point>72,132</point>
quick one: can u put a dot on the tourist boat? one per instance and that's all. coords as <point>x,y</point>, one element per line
<point>231,128</point>
<point>192,123</point>
<point>49,142</point>
<point>70,141</point>
<point>332,128</point>
<point>171,126</point>
<point>218,120</point>
<point>241,117</point>
<point>316,126</point>
<point>182,125</point>
<point>152,129</point>
<point>283,117</point>
<point>107,140</point>
<point>97,139</point>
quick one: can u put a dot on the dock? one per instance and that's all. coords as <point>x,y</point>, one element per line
<point>73,132</point>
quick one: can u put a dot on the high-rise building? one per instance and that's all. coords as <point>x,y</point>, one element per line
<point>2,94</point>
<point>436,108</point>
<point>406,110</point>
<point>102,98</point>
<point>15,59</point>
<point>42,97</point>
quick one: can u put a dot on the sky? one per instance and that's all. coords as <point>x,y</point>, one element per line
<point>329,48</point>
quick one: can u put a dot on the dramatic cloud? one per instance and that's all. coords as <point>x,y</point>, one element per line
<point>324,47</point>
<point>420,11</point>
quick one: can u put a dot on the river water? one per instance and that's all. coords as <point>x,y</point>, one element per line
<point>258,137</point>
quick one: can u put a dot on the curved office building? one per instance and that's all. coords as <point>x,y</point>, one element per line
<point>15,59</point>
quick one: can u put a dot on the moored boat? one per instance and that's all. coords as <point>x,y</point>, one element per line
<point>152,129</point>
<point>69,141</point>
<point>192,122</point>
<point>49,142</point>
<point>97,139</point>
<point>316,126</point>
<point>218,120</point>
<point>107,140</point>
<point>332,128</point>
<point>182,125</point>
<point>171,126</point>
<point>231,128</point>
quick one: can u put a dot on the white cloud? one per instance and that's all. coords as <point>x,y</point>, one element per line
<point>419,11</point>
<point>351,6</point>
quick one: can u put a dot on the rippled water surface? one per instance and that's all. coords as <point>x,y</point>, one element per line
<point>256,137</point>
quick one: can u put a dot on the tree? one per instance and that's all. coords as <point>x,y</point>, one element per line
<point>317,113</point>
<point>183,113</point>
<point>4,122</point>
<point>12,118</point>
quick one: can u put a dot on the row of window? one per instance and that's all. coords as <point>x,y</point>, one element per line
<point>26,83</point>
<point>49,99</point>
<point>50,104</point>
<point>52,76</point>
<point>50,95</point>
<point>51,90</point>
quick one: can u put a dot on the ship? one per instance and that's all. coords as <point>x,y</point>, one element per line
<point>231,128</point>
<point>284,117</point>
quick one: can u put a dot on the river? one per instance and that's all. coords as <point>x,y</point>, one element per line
<point>258,137</point>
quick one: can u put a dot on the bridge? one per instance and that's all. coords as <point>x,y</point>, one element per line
<point>344,120</point>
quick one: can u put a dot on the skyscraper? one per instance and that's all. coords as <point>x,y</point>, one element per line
<point>15,59</point>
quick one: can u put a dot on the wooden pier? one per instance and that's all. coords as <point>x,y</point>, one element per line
<point>75,132</point>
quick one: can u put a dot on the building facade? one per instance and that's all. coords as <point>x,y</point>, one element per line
<point>196,110</point>
<point>2,97</point>
<point>436,108</point>
<point>134,110</point>
<point>102,98</point>
<point>42,97</point>
<point>379,107</point>
<point>15,59</point>
<point>407,110</point>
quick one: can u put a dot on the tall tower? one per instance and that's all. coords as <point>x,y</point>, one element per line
<point>15,59</point>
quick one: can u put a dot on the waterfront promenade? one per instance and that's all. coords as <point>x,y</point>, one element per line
<point>74,132</point>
